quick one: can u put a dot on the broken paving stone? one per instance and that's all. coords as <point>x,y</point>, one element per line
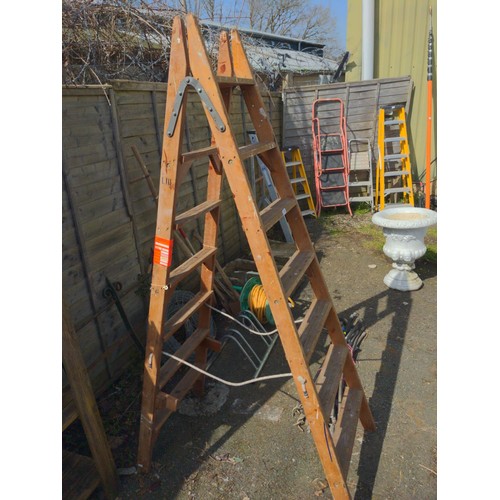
<point>213,400</point>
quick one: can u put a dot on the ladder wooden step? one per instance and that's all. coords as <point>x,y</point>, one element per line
<point>345,428</point>
<point>172,400</point>
<point>312,325</point>
<point>180,272</point>
<point>297,179</point>
<point>168,370</point>
<point>199,153</point>
<point>293,271</point>
<point>232,81</point>
<point>293,164</point>
<point>255,149</point>
<point>184,313</point>
<point>196,211</point>
<point>394,139</point>
<point>277,209</point>
<point>327,383</point>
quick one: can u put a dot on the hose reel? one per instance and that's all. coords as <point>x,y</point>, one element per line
<point>253,298</point>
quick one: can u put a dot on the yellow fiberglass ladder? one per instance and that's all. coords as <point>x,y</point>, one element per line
<point>190,66</point>
<point>298,178</point>
<point>394,184</point>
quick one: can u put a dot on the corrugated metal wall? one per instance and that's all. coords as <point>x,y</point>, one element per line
<point>401,34</point>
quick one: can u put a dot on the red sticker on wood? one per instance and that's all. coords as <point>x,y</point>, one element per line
<point>162,254</point>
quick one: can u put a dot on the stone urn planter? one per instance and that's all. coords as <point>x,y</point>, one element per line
<point>404,229</point>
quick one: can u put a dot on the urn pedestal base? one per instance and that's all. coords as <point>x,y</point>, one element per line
<point>404,230</point>
<point>405,280</point>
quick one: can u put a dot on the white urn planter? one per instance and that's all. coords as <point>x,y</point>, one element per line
<point>404,229</point>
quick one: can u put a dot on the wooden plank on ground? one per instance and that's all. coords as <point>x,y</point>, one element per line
<point>86,405</point>
<point>79,474</point>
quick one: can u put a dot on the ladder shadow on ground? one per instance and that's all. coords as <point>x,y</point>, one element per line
<point>385,381</point>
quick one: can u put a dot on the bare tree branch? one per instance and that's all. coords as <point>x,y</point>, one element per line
<point>130,39</point>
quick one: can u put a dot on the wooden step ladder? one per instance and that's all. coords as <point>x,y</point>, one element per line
<point>394,183</point>
<point>298,178</point>
<point>190,65</point>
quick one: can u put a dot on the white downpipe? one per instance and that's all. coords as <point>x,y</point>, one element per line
<point>368,18</point>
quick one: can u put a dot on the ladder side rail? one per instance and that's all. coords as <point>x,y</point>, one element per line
<point>406,162</point>
<point>370,175</point>
<point>316,162</point>
<point>381,161</point>
<point>302,238</point>
<point>343,127</point>
<point>170,161</point>
<point>272,284</point>
<point>214,188</point>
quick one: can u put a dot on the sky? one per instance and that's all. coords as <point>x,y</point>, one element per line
<point>338,8</point>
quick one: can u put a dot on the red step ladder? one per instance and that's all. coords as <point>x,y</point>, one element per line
<point>331,160</point>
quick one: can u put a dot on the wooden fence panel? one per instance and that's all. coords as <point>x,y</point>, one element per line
<point>97,240</point>
<point>109,214</point>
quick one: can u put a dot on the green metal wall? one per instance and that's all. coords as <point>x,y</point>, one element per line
<point>400,49</point>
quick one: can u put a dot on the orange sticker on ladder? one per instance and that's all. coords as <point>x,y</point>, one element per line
<point>162,254</point>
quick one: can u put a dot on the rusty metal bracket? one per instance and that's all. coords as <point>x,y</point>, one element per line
<point>193,82</point>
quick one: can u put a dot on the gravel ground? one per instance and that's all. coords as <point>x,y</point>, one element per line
<point>249,442</point>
